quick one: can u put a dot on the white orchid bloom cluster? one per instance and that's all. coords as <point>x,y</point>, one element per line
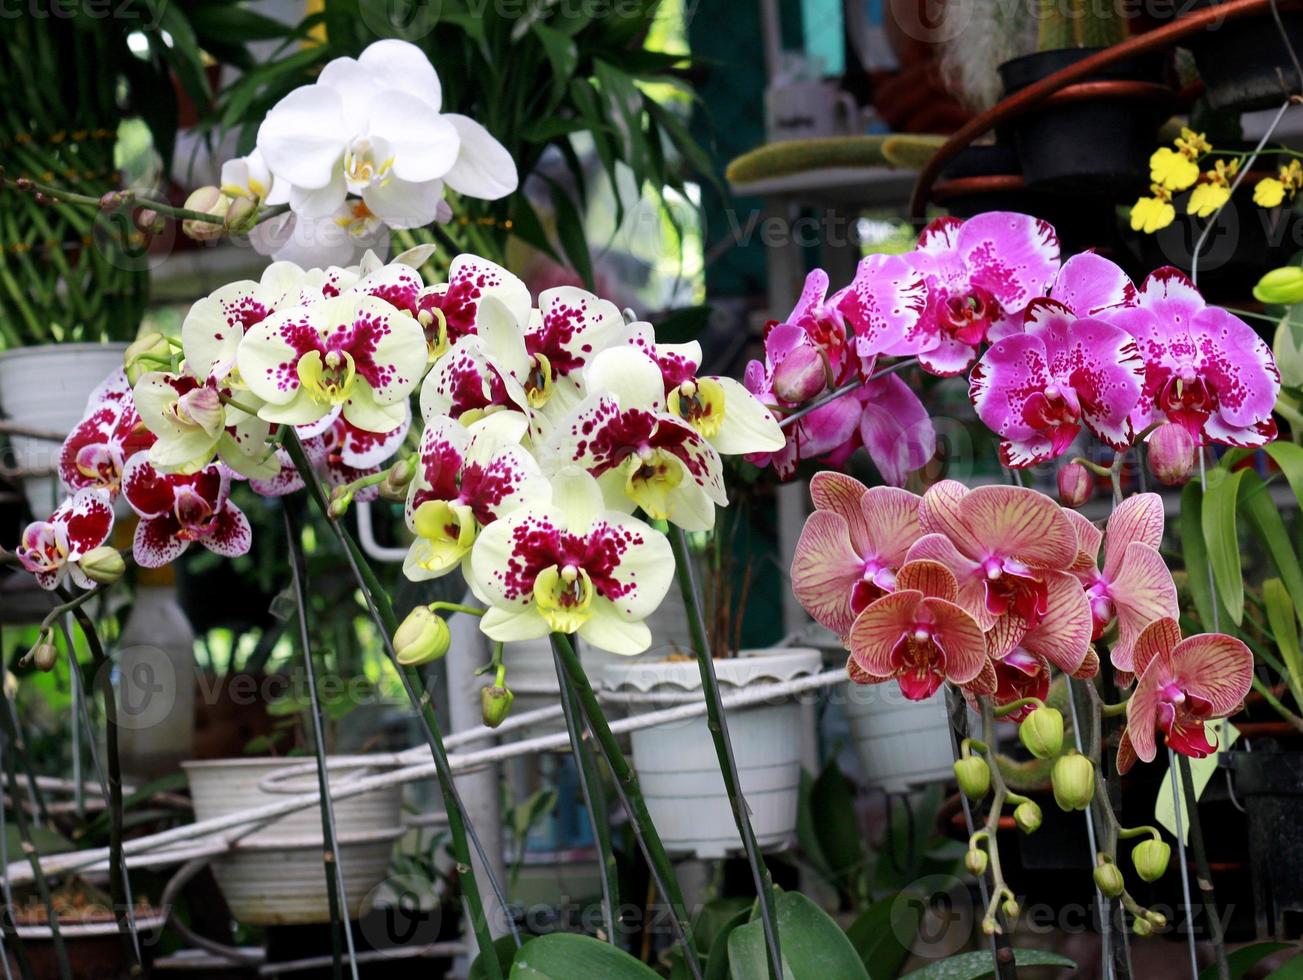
<point>545,428</point>
<point>364,148</point>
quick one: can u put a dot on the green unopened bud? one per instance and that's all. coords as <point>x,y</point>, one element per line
<point>1042,733</point>
<point>207,200</point>
<point>1027,815</point>
<point>1283,286</point>
<point>495,704</point>
<point>421,638</point>
<point>241,215</point>
<point>1156,919</point>
<point>989,926</point>
<point>44,655</point>
<point>340,500</point>
<point>1073,779</point>
<point>1150,858</point>
<point>1108,879</point>
<point>1141,927</point>
<point>150,352</point>
<point>973,776</point>
<point>976,861</point>
<point>397,480</point>
<point>1011,908</point>
<point>102,565</point>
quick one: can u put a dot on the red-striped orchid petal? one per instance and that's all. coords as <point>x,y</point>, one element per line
<point>1017,522</point>
<point>842,494</point>
<point>1139,518</point>
<point>1019,675</point>
<point>938,511</point>
<point>1089,539</point>
<point>1063,636</point>
<point>1157,640</point>
<point>891,522</point>
<point>1215,667</point>
<point>931,578</point>
<point>986,683</point>
<point>968,574</point>
<point>1089,284</point>
<point>877,631</point>
<point>1142,592</point>
<point>1126,757</point>
<point>825,571</point>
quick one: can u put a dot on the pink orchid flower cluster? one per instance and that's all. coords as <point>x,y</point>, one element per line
<point>1051,349</point>
<point>990,589</point>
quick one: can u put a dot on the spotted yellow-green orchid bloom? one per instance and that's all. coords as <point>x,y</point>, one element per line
<point>1172,170</point>
<point>353,351</point>
<point>465,480</point>
<point>193,425</point>
<point>1151,214</point>
<point>573,566</point>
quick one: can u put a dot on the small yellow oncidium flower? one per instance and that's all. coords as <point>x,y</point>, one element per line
<point>1172,170</point>
<point>1269,193</point>
<point>1192,144</point>
<point>1149,214</point>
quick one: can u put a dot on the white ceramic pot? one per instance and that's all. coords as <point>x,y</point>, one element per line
<point>275,876</point>
<point>46,387</point>
<point>901,743</point>
<point>676,763</point>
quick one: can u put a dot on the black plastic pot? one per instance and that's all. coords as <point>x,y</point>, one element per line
<point>1242,62</point>
<point>1270,787</point>
<point>1098,145</point>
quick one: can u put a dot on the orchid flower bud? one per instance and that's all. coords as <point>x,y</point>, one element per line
<point>1041,732</point>
<point>1108,879</point>
<point>1076,485</point>
<point>1027,815</point>
<point>1073,779</point>
<point>495,704</point>
<point>241,215</point>
<point>1172,453</point>
<point>1280,286</point>
<point>103,565</point>
<point>976,861</point>
<point>973,776</point>
<point>800,375</point>
<point>206,200</point>
<point>421,638</point>
<point>1141,927</point>
<point>396,481</point>
<point>1150,858</point>
<point>149,352</point>
<point>45,654</point>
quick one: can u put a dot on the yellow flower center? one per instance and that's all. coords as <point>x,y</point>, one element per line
<point>538,384</point>
<point>327,379</point>
<point>651,478</point>
<point>564,596</point>
<point>436,337</point>
<point>362,167</point>
<point>700,403</point>
<point>449,530</point>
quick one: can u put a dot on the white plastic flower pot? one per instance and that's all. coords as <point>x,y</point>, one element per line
<point>676,764</point>
<point>46,387</point>
<point>901,743</point>
<point>275,875</point>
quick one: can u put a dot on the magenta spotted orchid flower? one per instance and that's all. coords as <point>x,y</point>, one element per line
<point>979,276</point>
<point>571,566</point>
<point>193,424</point>
<point>1133,588</point>
<point>623,435</point>
<point>851,547</point>
<point>1182,685</point>
<point>1205,368</point>
<point>340,453</point>
<point>466,480</point>
<point>1009,548</point>
<point>110,433</point>
<point>1036,389</point>
<point>178,509</point>
<point>353,351</point>
<point>917,635</point>
<point>450,310</point>
<point>50,549</point>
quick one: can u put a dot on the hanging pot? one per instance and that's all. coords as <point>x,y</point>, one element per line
<point>46,387</point>
<point>1245,64</point>
<point>1269,785</point>
<point>676,763</point>
<point>1092,137</point>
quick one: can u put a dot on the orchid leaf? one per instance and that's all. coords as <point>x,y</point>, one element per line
<point>972,966</point>
<point>1266,522</point>
<point>813,945</point>
<point>1220,532</point>
<point>1282,617</point>
<point>570,956</point>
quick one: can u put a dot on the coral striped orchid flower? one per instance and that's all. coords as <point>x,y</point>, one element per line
<point>94,453</point>
<point>851,547</point>
<point>1181,686</point>
<point>1134,587</point>
<point>642,456</point>
<point>1037,388</point>
<point>353,351</point>
<point>50,549</point>
<point>466,480</point>
<point>573,566</point>
<point>917,635</point>
<point>1204,367</point>
<point>980,275</point>
<point>1008,548</point>
<point>177,509</point>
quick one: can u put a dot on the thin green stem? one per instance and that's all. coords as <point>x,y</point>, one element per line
<point>718,727</point>
<point>335,892</point>
<point>626,786</point>
<point>1203,874</point>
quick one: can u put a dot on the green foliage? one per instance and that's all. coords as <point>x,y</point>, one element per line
<point>972,966</point>
<point>813,946</point>
<point>569,956</point>
<point>1245,959</point>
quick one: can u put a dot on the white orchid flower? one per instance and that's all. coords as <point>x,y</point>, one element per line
<point>352,350</point>
<point>573,566</point>
<point>337,239</point>
<point>466,480</point>
<point>450,310</point>
<point>642,456</point>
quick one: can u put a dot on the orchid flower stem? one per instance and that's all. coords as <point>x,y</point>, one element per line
<point>382,615</point>
<point>1115,476</point>
<point>717,724</point>
<point>8,749</point>
<point>590,785</point>
<point>1126,833</point>
<point>999,794</point>
<point>235,403</point>
<point>627,788</point>
<point>117,867</point>
<point>845,389</point>
<point>71,197</point>
<point>68,606</point>
<point>457,607</point>
<point>1007,709</point>
<point>1112,710</point>
<point>1092,466</point>
<point>967,746</point>
<point>335,891</point>
<point>1203,874</point>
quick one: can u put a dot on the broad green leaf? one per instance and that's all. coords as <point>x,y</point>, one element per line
<point>715,916</point>
<point>838,830</point>
<point>717,958</point>
<point>1289,457</point>
<point>1288,348</point>
<point>812,944</point>
<point>1220,535</point>
<point>881,934</point>
<point>1265,520</point>
<point>504,947</point>
<point>1243,960</point>
<point>561,53</point>
<point>570,956</point>
<point>1190,526</point>
<point>971,966</point>
<point>1282,617</point>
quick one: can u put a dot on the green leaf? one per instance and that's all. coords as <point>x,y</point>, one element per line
<point>971,966</point>
<point>1221,537</point>
<point>1190,526</point>
<point>570,231</point>
<point>1291,970</point>
<point>1289,457</point>
<point>1282,616</point>
<point>838,830</point>
<point>504,948</point>
<point>1266,522</point>
<point>1243,960</point>
<point>813,946</point>
<point>717,956</point>
<point>880,933</point>
<point>1288,348</point>
<point>570,956</point>
<point>561,54</point>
